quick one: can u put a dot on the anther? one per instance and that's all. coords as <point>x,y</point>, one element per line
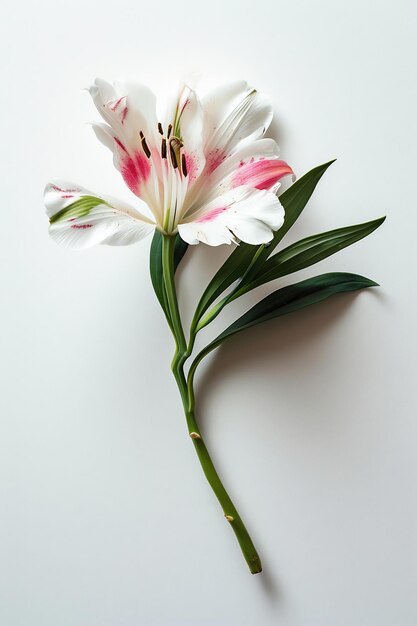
<point>173,156</point>
<point>160,128</point>
<point>144,145</point>
<point>184,164</point>
<point>229,518</point>
<point>169,131</point>
<point>164,149</point>
<point>194,435</point>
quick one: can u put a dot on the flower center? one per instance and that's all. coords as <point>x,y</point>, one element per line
<point>170,174</point>
<point>171,145</point>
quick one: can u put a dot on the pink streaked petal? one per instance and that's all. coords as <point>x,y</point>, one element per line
<point>135,169</point>
<point>214,158</point>
<point>119,107</point>
<point>107,220</point>
<point>244,213</point>
<point>261,174</point>
<point>193,165</point>
<point>212,214</point>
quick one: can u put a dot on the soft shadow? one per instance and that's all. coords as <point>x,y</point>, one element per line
<point>280,340</point>
<point>276,131</point>
<point>270,586</point>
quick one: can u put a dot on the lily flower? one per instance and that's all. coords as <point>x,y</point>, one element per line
<point>205,170</point>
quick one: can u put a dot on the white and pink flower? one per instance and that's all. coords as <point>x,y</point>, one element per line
<point>205,171</point>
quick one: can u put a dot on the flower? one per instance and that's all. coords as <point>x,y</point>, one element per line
<point>205,171</point>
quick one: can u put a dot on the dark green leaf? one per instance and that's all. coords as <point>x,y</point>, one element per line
<point>293,298</point>
<point>246,259</point>
<point>155,266</point>
<point>180,249</point>
<point>311,250</point>
<point>232,269</point>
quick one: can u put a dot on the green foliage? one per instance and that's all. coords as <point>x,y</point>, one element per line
<point>251,266</point>
<point>155,266</point>
<point>295,297</point>
<point>309,251</point>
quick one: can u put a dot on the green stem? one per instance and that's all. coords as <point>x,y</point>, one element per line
<point>230,512</point>
<point>187,394</point>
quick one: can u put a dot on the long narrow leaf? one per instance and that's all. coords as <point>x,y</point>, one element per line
<point>311,250</point>
<point>287,300</point>
<point>180,249</point>
<point>155,266</point>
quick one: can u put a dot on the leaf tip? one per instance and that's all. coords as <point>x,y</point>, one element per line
<point>370,283</point>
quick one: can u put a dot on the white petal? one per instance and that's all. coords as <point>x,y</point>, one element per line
<point>141,114</point>
<point>252,231</point>
<point>80,218</point>
<point>243,213</point>
<point>233,113</point>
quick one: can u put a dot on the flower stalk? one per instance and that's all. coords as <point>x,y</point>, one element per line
<point>186,388</point>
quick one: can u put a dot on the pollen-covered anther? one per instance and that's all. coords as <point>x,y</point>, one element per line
<point>184,164</point>
<point>144,145</point>
<point>195,435</point>
<point>164,149</point>
<point>160,129</point>
<point>169,131</point>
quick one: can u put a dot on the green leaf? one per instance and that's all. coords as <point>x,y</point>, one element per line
<point>246,258</point>
<point>311,250</point>
<point>180,249</point>
<point>290,299</point>
<point>232,269</point>
<point>155,266</point>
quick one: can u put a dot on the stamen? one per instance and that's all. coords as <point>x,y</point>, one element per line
<point>160,128</point>
<point>169,131</point>
<point>184,164</point>
<point>164,149</point>
<point>173,157</point>
<point>145,145</point>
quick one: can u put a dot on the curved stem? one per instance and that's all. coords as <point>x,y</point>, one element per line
<point>230,512</point>
<point>187,394</point>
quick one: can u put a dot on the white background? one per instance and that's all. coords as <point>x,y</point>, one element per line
<point>106,517</point>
